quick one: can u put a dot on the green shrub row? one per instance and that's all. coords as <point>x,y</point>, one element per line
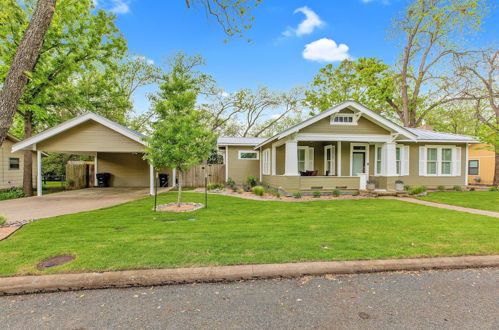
<point>11,193</point>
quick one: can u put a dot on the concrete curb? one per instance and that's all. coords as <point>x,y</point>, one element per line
<point>152,277</point>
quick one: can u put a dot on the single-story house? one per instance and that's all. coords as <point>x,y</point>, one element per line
<point>11,164</point>
<point>341,148</point>
<point>481,164</point>
<point>344,147</point>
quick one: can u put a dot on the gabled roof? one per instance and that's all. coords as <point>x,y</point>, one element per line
<point>424,135</point>
<point>239,141</point>
<point>369,114</point>
<point>134,135</point>
<point>13,138</point>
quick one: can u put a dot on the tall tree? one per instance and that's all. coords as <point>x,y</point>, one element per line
<point>179,139</point>
<point>430,31</point>
<point>233,15</point>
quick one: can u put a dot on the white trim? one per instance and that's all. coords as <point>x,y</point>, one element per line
<point>455,160</point>
<point>260,167</point>
<point>291,158</point>
<point>338,159</point>
<point>151,180</point>
<point>343,137</point>
<point>96,169</point>
<point>226,163</point>
<point>441,141</point>
<point>370,115</point>
<point>332,161</point>
<point>467,166</point>
<point>274,160</point>
<point>39,184</point>
<point>376,146</point>
<point>75,122</point>
<point>354,122</point>
<point>366,156</point>
<point>266,162</point>
<point>239,152</point>
<point>174,178</point>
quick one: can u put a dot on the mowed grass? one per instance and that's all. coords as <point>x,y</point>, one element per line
<point>482,200</point>
<point>238,231</point>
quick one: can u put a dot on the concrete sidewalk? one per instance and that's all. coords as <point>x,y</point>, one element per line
<point>151,277</point>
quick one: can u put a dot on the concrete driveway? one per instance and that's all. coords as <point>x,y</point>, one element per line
<point>67,202</point>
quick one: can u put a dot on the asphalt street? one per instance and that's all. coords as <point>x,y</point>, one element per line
<point>458,299</point>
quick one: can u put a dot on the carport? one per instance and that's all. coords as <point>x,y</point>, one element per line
<point>116,149</point>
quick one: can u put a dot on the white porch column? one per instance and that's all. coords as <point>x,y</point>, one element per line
<point>291,164</point>
<point>226,163</point>
<point>96,170</point>
<point>274,160</point>
<point>391,159</point>
<point>466,166</point>
<point>174,177</point>
<point>39,173</point>
<point>338,159</point>
<point>151,180</point>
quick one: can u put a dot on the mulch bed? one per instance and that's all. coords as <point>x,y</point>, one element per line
<point>184,207</point>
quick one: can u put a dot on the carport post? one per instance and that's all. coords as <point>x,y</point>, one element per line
<point>151,180</point>
<point>39,173</point>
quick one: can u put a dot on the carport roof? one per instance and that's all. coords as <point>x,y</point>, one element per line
<point>134,135</point>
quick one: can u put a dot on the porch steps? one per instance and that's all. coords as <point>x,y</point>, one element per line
<point>383,193</point>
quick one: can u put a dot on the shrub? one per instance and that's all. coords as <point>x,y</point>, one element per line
<point>251,181</point>
<point>258,190</point>
<point>240,191</point>
<point>407,187</point>
<point>336,192</point>
<point>458,188</point>
<point>316,194</point>
<point>441,188</point>
<point>230,183</point>
<point>472,188</point>
<point>417,190</point>
<point>214,186</point>
<point>277,194</point>
<point>355,193</point>
<point>11,193</point>
<point>297,195</point>
<point>2,220</point>
<point>371,181</point>
<point>494,188</point>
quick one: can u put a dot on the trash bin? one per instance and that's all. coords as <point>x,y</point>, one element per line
<point>163,180</point>
<point>103,179</point>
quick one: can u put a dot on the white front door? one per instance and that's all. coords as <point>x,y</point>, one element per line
<point>359,158</point>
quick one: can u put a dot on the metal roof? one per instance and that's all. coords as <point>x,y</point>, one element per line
<point>240,141</point>
<point>427,135</point>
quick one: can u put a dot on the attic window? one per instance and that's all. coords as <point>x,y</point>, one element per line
<point>344,119</point>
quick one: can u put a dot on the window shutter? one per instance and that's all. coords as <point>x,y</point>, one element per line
<point>404,160</point>
<point>422,161</point>
<point>310,159</point>
<point>456,161</point>
<point>333,160</point>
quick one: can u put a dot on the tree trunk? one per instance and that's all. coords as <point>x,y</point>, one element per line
<point>179,196</point>
<point>28,156</point>
<point>23,63</point>
<point>496,174</point>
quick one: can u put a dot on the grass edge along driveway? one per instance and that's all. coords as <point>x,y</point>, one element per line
<point>240,231</point>
<point>480,200</point>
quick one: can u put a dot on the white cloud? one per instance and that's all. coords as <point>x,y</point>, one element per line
<point>307,26</point>
<point>325,50</point>
<point>115,6</point>
<point>143,58</point>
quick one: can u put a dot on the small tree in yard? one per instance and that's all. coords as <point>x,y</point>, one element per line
<point>179,139</point>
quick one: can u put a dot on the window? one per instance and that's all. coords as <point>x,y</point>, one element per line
<point>378,160</point>
<point>247,154</point>
<point>344,119</point>
<point>329,160</point>
<point>13,163</point>
<point>266,162</point>
<point>446,168</point>
<point>431,163</point>
<point>305,159</point>
<point>473,166</point>
<point>398,160</point>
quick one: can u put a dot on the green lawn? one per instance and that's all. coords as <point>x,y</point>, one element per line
<point>482,200</point>
<point>238,231</point>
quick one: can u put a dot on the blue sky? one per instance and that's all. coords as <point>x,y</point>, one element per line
<point>282,54</point>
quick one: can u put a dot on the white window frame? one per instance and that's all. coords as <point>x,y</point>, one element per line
<point>332,160</point>
<point>439,161</point>
<point>366,157</point>
<point>355,118</point>
<point>266,165</point>
<point>378,159</point>
<point>308,161</point>
<point>239,152</point>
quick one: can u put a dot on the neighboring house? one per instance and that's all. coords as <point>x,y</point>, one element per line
<point>11,164</point>
<point>481,164</point>
<point>341,148</point>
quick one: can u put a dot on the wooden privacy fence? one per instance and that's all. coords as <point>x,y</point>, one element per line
<point>76,175</point>
<point>195,176</point>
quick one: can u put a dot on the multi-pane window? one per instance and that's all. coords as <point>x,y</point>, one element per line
<point>446,168</point>
<point>473,166</point>
<point>378,160</point>
<point>243,154</point>
<point>266,161</point>
<point>431,161</point>
<point>14,163</point>
<point>398,160</point>
<point>343,119</point>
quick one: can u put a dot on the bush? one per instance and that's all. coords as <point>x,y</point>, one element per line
<point>251,181</point>
<point>316,194</point>
<point>407,187</point>
<point>441,188</point>
<point>417,190</point>
<point>2,220</point>
<point>472,188</point>
<point>11,193</point>
<point>458,188</point>
<point>297,195</point>
<point>214,186</point>
<point>240,191</point>
<point>336,192</point>
<point>494,188</point>
<point>230,183</point>
<point>258,190</point>
<point>277,194</point>
<point>355,193</point>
